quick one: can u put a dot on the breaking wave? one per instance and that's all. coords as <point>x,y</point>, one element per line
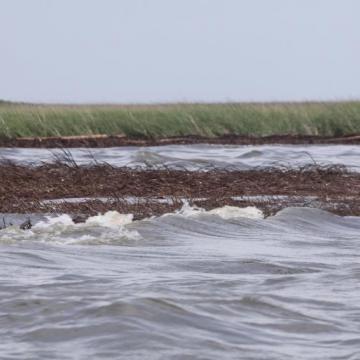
<point>110,228</point>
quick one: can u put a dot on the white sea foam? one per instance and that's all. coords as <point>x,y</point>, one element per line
<point>110,219</point>
<point>226,212</point>
<point>109,228</point>
<point>233,212</point>
<point>57,222</point>
<point>187,210</point>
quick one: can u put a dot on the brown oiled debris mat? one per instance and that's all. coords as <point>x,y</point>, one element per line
<point>121,140</point>
<point>23,189</point>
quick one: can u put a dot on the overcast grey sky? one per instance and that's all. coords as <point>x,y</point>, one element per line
<point>179,50</point>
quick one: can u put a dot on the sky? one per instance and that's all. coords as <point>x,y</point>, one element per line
<point>135,51</point>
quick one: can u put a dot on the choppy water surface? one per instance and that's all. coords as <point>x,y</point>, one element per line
<point>225,284</point>
<point>202,156</point>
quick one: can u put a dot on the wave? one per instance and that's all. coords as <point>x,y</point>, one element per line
<point>101,229</point>
<point>110,228</point>
<point>229,280</point>
<point>114,228</point>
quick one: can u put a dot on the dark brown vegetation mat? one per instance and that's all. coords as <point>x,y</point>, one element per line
<point>23,189</point>
<point>111,141</point>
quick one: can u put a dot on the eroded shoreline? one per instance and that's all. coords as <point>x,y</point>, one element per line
<point>104,141</point>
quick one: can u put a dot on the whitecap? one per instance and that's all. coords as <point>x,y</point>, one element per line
<point>110,219</point>
<point>233,212</point>
<point>109,228</point>
<point>226,212</point>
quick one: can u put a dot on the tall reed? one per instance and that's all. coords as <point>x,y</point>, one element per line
<point>155,121</point>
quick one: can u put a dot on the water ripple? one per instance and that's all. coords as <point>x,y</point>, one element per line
<point>203,285</point>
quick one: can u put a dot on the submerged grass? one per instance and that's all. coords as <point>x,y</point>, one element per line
<point>24,188</point>
<point>160,121</point>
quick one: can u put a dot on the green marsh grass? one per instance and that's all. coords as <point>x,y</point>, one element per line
<point>156,121</point>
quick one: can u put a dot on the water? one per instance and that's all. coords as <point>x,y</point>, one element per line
<point>223,284</point>
<point>194,157</point>
<point>226,284</point>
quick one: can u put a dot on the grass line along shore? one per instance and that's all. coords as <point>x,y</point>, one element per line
<point>207,121</point>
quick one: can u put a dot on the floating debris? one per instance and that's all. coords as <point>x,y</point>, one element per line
<point>26,225</point>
